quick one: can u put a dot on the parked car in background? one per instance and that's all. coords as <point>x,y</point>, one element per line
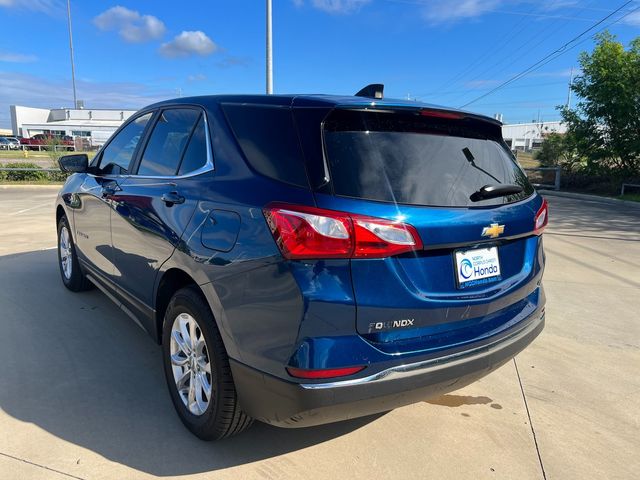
<point>47,140</point>
<point>9,143</point>
<point>307,259</point>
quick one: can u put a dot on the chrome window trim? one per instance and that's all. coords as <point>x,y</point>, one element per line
<point>207,167</point>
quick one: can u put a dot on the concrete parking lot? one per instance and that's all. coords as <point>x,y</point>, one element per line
<point>82,393</point>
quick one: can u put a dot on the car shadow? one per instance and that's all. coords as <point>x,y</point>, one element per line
<point>80,369</point>
<point>592,219</point>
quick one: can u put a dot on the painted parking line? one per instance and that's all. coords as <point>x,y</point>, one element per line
<point>48,204</point>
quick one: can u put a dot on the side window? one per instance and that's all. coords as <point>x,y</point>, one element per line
<point>117,155</point>
<point>195,156</point>
<point>269,141</point>
<point>168,141</point>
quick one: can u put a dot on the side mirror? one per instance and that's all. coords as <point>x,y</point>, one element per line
<point>77,163</point>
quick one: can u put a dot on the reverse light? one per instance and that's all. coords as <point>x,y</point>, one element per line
<point>542,218</point>
<point>310,233</point>
<point>323,373</point>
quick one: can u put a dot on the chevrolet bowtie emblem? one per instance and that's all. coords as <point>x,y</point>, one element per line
<point>493,231</point>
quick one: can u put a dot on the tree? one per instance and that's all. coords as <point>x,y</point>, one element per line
<point>559,150</point>
<point>605,124</point>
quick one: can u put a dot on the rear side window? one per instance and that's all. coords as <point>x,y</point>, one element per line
<point>268,139</point>
<point>195,156</point>
<point>168,141</point>
<point>409,158</point>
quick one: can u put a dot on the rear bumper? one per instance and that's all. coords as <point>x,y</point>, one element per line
<point>286,404</point>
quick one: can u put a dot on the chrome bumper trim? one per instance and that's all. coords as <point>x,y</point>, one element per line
<point>434,364</point>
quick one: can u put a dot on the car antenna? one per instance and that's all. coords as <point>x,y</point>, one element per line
<point>375,90</point>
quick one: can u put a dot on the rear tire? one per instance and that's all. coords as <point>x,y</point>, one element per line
<point>70,271</point>
<point>197,369</point>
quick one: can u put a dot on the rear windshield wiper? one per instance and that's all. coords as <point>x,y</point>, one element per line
<point>494,191</point>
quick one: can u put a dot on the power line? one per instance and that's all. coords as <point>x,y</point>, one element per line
<point>544,34</point>
<point>553,54</point>
<point>505,59</point>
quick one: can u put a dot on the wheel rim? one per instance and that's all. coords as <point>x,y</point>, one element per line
<point>65,253</point>
<point>190,364</point>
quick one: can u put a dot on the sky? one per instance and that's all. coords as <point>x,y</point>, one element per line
<point>130,53</point>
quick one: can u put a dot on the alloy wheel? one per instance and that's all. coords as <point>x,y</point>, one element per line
<point>66,260</point>
<point>190,363</point>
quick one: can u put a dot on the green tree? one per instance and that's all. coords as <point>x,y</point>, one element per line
<point>605,124</point>
<point>559,150</point>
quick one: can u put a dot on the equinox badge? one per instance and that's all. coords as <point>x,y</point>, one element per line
<point>493,231</point>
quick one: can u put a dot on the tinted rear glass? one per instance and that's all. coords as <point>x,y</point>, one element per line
<point>413,159</point>
<point>195,156</point>
<point>269,141</point>
<point>167,142</point>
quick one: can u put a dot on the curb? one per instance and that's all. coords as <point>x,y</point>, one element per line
<point>593,198</point>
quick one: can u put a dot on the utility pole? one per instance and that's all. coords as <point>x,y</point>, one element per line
<point>73,67</point>
<point>569,92</point>
<point>269,49</point>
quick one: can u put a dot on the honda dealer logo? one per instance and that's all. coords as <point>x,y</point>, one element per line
<point>466,268</point>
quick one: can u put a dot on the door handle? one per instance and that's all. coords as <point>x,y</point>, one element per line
<point>172,198</point>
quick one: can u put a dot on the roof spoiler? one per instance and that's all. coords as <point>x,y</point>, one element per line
<point>375,90</point>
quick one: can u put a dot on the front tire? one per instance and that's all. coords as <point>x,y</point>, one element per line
<point>72,276</point>
<point>197,369</point>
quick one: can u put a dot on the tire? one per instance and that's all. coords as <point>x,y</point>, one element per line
<point>70,271</point>
<point>220,416</point>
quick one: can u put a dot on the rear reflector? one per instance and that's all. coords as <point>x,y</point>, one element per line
<point>311,233</point>
<point>325,373</point>
<point>542,218</point>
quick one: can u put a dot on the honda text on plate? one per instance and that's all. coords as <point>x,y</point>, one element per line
<point>305,259</point>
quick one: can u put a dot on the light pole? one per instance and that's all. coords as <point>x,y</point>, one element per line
<point>73,68</point>
<point>269,50</point>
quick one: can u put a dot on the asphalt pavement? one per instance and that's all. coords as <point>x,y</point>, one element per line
<point>82,394</point>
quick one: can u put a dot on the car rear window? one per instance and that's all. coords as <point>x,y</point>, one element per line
<point>411,158</point>
<point>269,141</point>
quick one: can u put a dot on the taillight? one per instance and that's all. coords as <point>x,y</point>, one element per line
<point>309,232</point>
<point>542,218</point>
<point>323,373</point>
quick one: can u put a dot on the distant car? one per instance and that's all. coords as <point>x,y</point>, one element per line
<point>307,259</point>
<point>44,139</point>
<point>9,143</point>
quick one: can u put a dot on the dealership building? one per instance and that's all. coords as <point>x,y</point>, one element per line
<point>529,136</point>
<point>93,124</point>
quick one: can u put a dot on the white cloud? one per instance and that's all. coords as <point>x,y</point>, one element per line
<point>36,91</point>
<point>131,25</point>
<point>441,11</point>
<point>16,57</point>
<point>189,43</point>
<point>46,6</point>
<point>633,19</point>
<point>335,6</point>
<point>198,77</point>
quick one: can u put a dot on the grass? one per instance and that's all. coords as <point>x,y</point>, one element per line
<point>30,182</point>
<point>527,161</point>
<point>18,154</point>
<point>632,197</point>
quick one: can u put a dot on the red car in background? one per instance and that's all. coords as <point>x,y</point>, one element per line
<point>47,140</point>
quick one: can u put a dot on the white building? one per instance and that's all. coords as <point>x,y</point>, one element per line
<point>95,125</point>
<point>529,136</point>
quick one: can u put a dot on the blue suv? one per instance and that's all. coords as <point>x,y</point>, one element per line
<point>305,259</point>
